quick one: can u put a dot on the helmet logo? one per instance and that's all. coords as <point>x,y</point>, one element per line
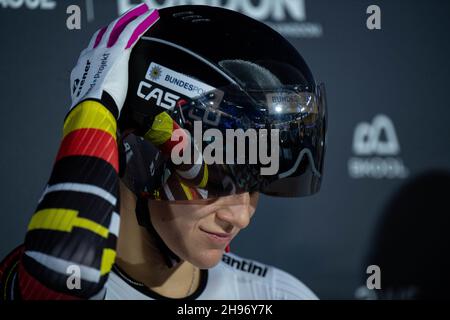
<point>163,98</point>
<point>176,81</point>
<point>155,73</point>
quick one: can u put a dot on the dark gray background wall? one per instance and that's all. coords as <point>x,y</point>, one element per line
<point>400,72</point>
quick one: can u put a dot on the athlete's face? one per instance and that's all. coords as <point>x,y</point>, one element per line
<point>199,230</point>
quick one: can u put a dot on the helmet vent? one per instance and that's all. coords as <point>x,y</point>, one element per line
<point>190,16</point>
<point>181,14</point>
<point>201,20</point>
<point>250,75</point>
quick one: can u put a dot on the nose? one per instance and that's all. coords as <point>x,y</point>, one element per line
<point>235,210</point>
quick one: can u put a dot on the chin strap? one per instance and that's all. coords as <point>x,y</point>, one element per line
<point>143,218</point>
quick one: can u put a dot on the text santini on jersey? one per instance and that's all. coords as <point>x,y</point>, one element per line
<point>245,266</point>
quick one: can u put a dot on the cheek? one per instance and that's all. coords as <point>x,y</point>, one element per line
<point>174,231</point>
<point>185,239</point>
<point>177,227</point>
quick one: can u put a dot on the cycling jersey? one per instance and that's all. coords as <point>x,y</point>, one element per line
<point>234,278</point>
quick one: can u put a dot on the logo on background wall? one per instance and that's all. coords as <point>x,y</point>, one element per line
<point>377,151</point>
<point>29,4</point>
<point>288,17</point>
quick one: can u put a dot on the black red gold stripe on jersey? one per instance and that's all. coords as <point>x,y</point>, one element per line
<point>32,289</point>
<point>90,114</point>
<point>92,257</point>
<point>8,275</point>
<point>39,263</point>
<point>90,142</point>
<point>83,240</point>
<point>76,223</point>
<point>88,245</point>
<point>90,130</point>
<point>75,212</point>
<point>95,172</point>
<point>66,220</point>
<point>79,198</point>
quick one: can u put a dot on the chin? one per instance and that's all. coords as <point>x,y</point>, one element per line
<point>206,259</point>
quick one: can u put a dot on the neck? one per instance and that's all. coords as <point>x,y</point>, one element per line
<point>140,258</point>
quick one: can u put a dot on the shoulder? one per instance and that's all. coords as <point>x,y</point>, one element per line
<point>256,280</point>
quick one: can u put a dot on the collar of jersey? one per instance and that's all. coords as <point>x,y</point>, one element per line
<point>142,288</point>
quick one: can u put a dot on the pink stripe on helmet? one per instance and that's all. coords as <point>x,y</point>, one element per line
<point>150,20</point>
<point>124,21</point>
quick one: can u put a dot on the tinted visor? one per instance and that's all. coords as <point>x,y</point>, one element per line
<point>270,140</point>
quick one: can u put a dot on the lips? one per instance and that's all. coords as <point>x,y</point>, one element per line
<point>218,236</point>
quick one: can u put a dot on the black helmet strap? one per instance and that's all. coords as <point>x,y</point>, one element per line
<point>143,218</point>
